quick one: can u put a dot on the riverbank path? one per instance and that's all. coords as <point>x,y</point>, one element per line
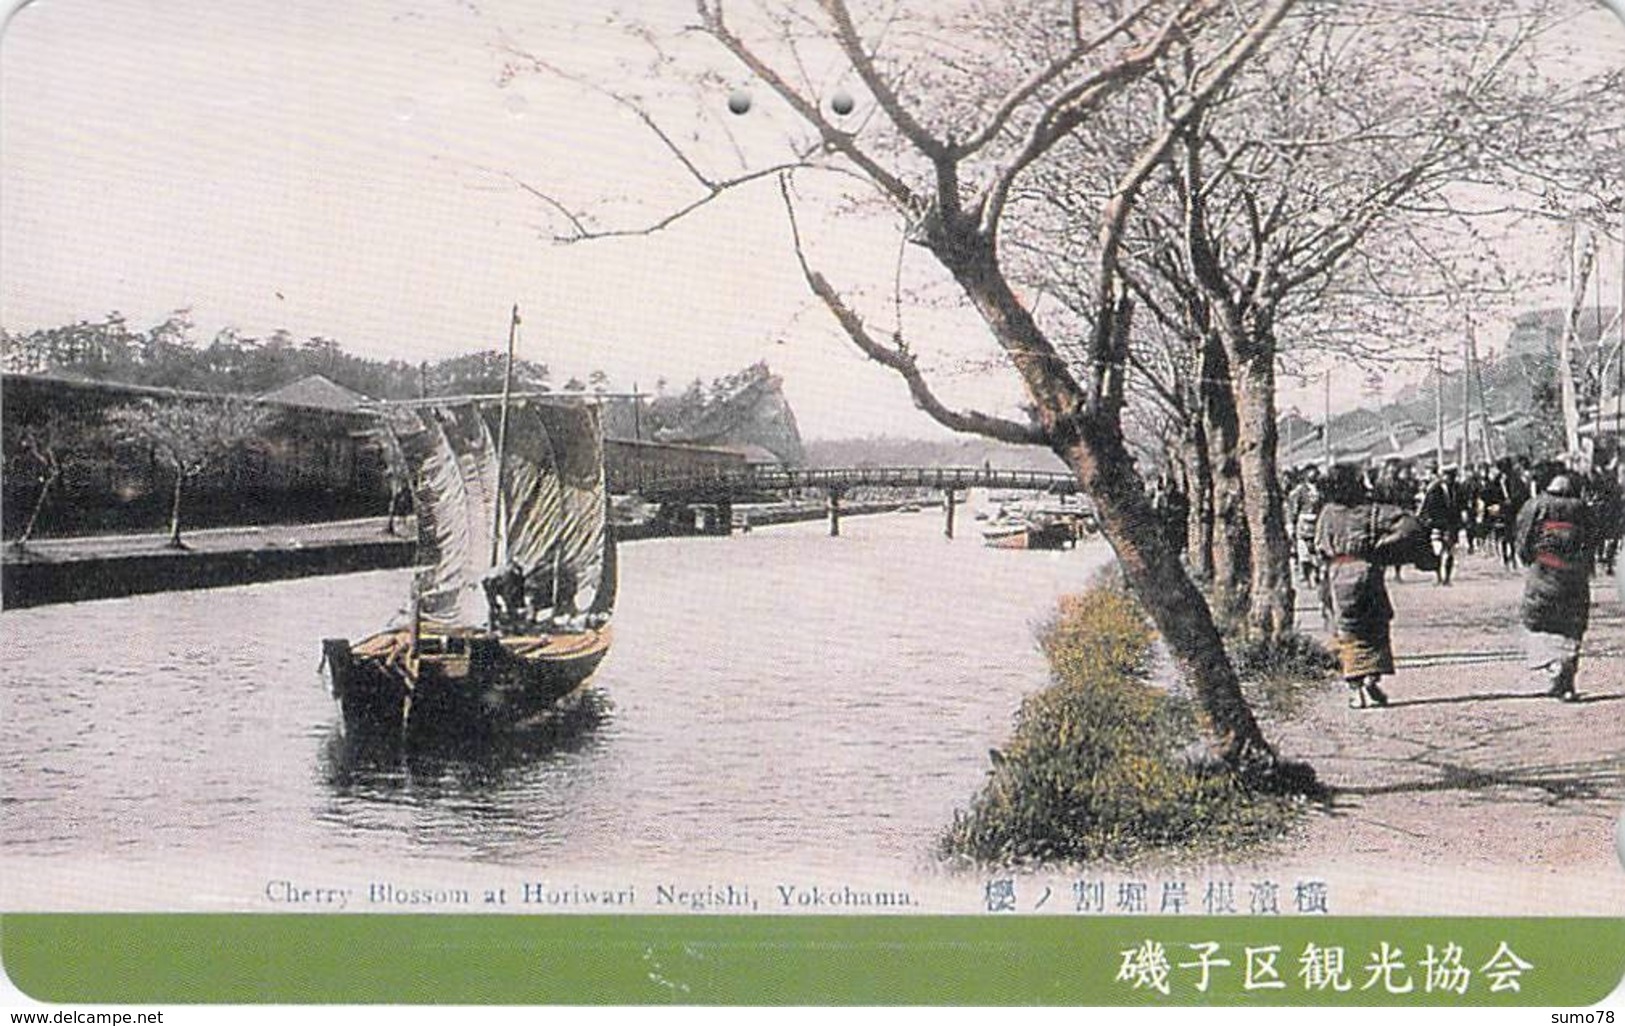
<point>1472,791</point>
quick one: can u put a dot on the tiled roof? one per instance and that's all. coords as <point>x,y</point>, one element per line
<point>316,390</point>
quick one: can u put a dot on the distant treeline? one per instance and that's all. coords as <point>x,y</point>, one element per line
<point>170,355</point>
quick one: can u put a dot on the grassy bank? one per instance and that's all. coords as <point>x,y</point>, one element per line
<point>1103,764</point>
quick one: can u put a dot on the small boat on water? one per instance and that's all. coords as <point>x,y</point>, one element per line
<point>1039,527</point>
<point>1029,533</point>
<point>510,607</point>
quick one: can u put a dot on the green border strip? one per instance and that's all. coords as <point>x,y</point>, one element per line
<point>808,960</point>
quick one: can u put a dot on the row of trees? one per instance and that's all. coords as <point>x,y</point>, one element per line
<point>1152,206</point>
<point>169,355</point>
<point>188,439</point>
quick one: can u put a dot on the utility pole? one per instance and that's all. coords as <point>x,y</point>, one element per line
<point>1438,409</point>
<point>1466,394</point>
<point>1483,402</point>
<point>1326,421</point>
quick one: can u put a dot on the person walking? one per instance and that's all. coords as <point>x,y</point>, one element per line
<point>1500,511</point>
<point>1302,511</point>
<point>1606,506</point>
<point>1555,540</point>
<point>1441,512</point>
<point>1356,538</point>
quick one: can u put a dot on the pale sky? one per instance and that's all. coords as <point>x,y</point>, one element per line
<point>316,166</point>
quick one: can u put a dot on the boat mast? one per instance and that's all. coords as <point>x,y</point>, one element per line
<point>499,531</point>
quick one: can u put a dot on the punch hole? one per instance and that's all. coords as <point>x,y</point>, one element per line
<point>842,103</point>
<point>739,101</point>
<point>516,106</point>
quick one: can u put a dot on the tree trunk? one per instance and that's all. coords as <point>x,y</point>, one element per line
<point>39,505</point>
<point>1089,439</point>
<point>175,513</point>
<point>1272,600</point>
<point>394,500</point>
<point>1231,546</point>
<point>1582,256</point>
<point>1199,519</point>
<point>1130,526</point>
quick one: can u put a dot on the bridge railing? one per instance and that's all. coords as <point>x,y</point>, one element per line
<point>735,482</point>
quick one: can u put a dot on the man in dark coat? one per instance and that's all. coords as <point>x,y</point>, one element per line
<point>1603,500</point>
<point>1555,541</point>
<point>1441,510</point>
<point>1356,540</point>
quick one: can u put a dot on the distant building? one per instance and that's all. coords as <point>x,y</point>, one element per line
<point>318,392</point>
<point>1536,332</point>
<point>320,459</point>
<point>314,462</point>
<point>755,456</point>
<point>631,466</point>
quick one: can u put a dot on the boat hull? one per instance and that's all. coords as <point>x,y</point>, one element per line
<point>457,687</point>
<point>1031,536</point>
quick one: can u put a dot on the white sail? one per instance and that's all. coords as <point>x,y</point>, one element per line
<point>551,520</point>
<point>578,451</point>
<point>453,518</point>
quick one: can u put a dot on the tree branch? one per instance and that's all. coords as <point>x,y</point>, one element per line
<point>1128,186</point>
<point>846,36</point>
<point>898,358</point>
<point>1075,104</point>
<point>835,140</point>
<point>1044,76</point>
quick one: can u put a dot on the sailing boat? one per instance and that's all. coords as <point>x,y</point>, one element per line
<point>511,603</point>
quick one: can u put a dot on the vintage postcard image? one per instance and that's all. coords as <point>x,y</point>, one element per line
<point>1037,458</point>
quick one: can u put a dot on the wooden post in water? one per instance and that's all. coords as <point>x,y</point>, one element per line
<point>834,512</point>
<point>948,505</point>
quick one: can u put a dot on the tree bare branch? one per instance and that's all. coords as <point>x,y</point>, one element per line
<point>897,356</point>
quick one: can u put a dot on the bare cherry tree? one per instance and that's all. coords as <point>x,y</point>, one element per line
<point>189,436</point>
<point>49,443</point>
<point>960,124</point>
<point>1321,200</point>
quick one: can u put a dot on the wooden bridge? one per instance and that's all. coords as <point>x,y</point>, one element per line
<point>718,488</point>
<point>713,485</point>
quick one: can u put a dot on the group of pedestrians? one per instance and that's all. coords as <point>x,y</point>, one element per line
<point>1559,523</point>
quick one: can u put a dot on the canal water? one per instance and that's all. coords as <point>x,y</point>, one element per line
<point>776,698</point>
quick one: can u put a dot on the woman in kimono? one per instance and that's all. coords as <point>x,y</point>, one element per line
<point>1356,540</point>
<point>1555,541</point>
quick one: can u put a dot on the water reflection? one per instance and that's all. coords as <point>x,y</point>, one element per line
<point>460,762</point>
